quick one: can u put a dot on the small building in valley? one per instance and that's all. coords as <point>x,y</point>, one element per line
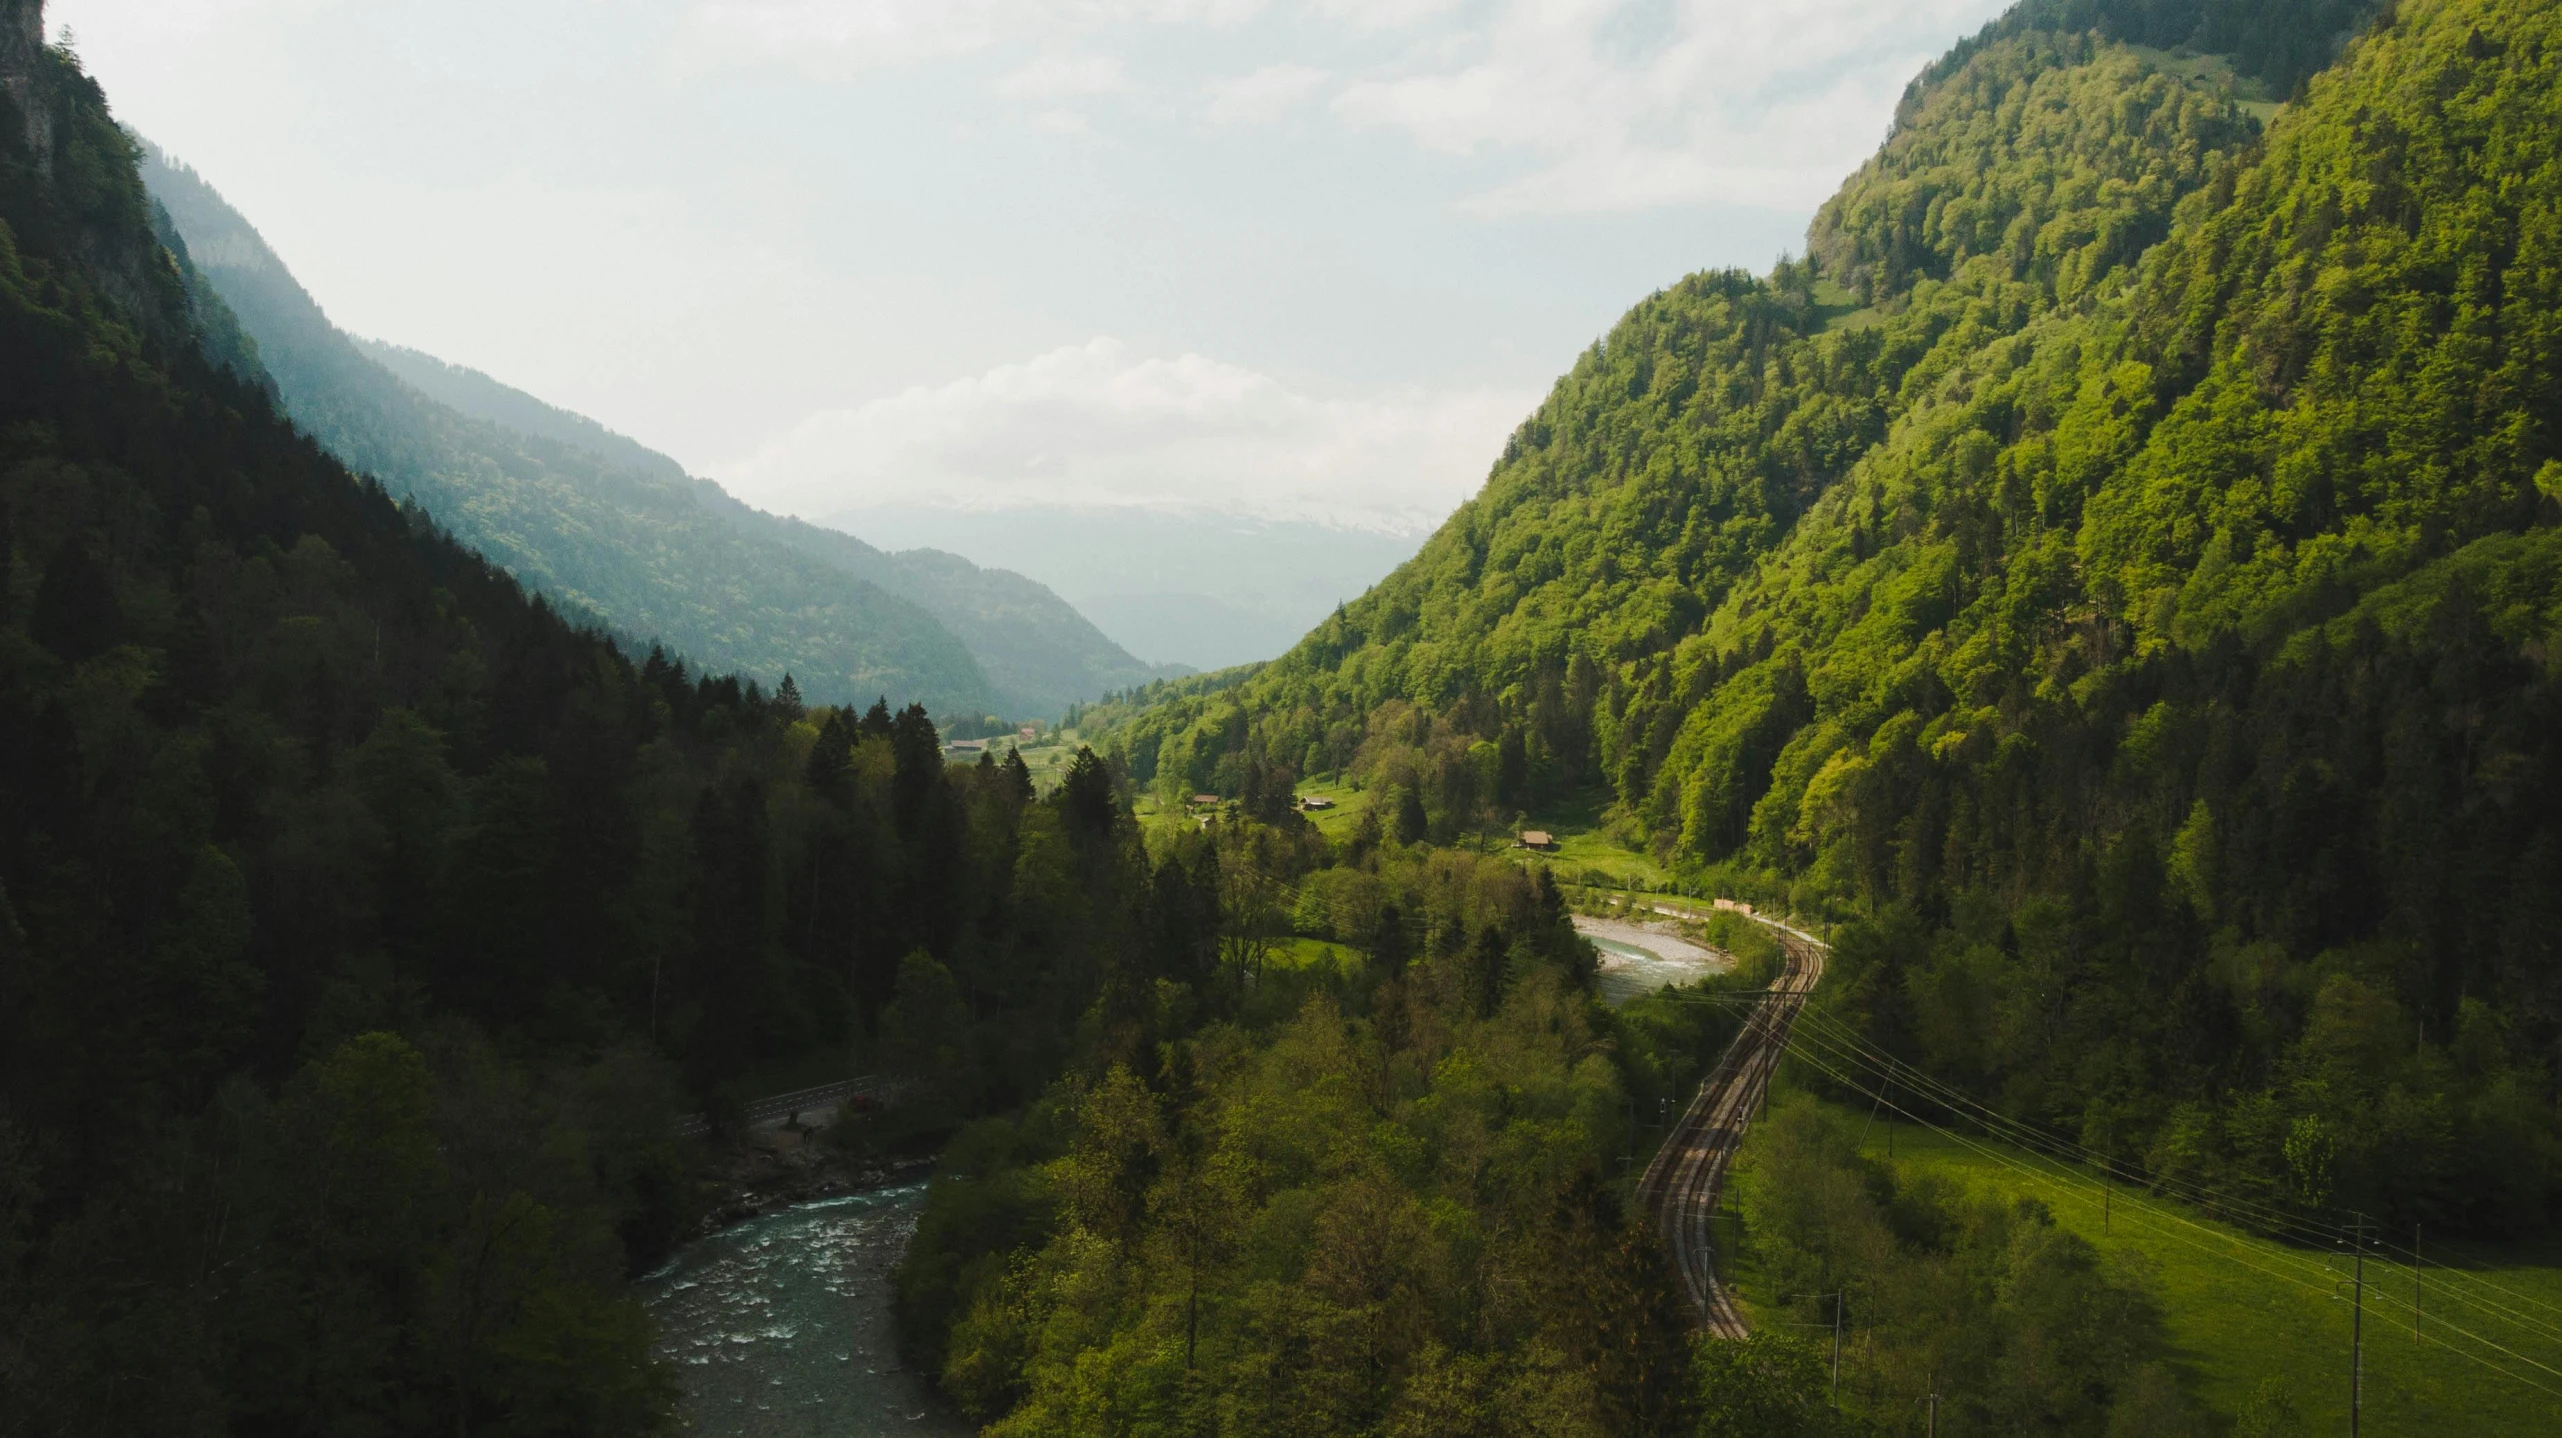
<point>1539,839</point>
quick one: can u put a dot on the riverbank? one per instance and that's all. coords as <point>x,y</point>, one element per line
<point>1641,956</point>
<point>769,1169</point>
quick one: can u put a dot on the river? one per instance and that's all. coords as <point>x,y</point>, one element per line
<point>1639,958</point>
<point>779,1327</point>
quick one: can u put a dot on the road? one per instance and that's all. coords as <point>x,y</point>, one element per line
<point>1688,1176</point>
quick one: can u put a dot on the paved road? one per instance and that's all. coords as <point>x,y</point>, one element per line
<point>1688,1175</point>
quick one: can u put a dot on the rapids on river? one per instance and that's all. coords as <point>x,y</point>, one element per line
<point>1639,958</point>
<point>779,1327</point>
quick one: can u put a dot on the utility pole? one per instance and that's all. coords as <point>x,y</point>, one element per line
<point>1837,1293</point>
<point>1934,1415</point>
<point>2415,1282</point>
<point>2357,1325</point>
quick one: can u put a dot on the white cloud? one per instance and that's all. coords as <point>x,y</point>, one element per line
<point>1097,425</point>
<point>1382,14</point>
<point>1261,97</point>
<point>1608,105</point>
<point>1064,77</point>
<point>1738,100</point>
<point>858,33</point>
<point>861,34</point>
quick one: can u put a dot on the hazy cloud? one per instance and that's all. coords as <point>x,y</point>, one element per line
<point>1064,77</point>
<point>1096,424</point>
<point>1631,106</point>
<point>1261,97</point>
<point>1612,104</point>
<point>863,33</point>
<point>645,210</point>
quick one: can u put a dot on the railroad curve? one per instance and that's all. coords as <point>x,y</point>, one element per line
<point>1688,1175</point>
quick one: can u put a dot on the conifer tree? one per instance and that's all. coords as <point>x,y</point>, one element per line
<point>1086,797</point>
<point>831,755</point>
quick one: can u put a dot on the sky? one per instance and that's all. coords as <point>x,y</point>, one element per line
<point>1296,261</point>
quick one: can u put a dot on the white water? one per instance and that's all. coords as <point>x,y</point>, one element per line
<point>1636,960</point>
<point>780,1327</point>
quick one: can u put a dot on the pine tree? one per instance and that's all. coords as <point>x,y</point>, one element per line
<point>918,752</point>
<point>1086,798</point>
<point>831,755</point>
<point>1412,825</point>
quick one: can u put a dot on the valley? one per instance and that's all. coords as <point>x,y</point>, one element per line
<point>1964,835</point>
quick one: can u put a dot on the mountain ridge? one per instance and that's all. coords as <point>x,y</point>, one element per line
<point>605,523</point>
<point>2120,566</point>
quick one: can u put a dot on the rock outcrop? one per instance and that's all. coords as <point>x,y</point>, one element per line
<point>21,53</point>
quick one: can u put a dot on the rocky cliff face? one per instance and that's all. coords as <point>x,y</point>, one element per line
<point>21,49</point>
<point>21,34</point>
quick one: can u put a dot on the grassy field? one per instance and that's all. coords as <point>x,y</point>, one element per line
<point>2216,71</point>
<point>1585,848</point>
<point>2243,1309</point>
<point>1299,953</point>
<point>1047,759</point>
<point>1349,805</point>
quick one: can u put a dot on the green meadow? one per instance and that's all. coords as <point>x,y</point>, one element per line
<point>2243,1310</point>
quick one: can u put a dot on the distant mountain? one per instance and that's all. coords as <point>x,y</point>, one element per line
<point>1039,651</point>
<point>605,524</point>
<point>481,397</point>
<point>1205,590</point>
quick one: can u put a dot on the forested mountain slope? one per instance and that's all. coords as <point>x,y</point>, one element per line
<point>364,926</point>
<point>602,522</point>
<point>2123,560</point>
<point>1039,651</point>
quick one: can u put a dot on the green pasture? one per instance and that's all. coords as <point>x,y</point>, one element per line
<point>1349,805</point>
<point>1585,849</point>
<point>2242,1309</point>
<point>1304,953</point>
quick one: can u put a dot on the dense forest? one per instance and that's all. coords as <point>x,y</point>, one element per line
<point>365,926</point>
<point>601,524</point>
<point>2118,566</point>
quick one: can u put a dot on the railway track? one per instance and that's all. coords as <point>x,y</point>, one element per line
<point>1683,1184</point>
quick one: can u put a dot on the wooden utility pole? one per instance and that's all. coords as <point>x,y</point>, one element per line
<point>1934,1415</point>
<point>1837,1293</point>
<point>2357,1325</point>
